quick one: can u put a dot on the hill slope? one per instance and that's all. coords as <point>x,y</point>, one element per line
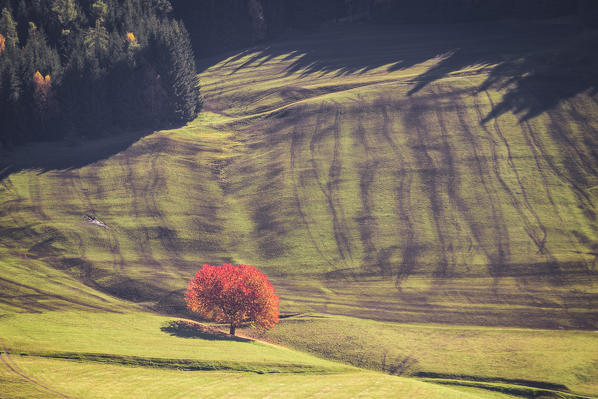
<point>442,174</point>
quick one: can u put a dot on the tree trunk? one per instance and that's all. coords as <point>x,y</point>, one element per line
<point>232,330</point>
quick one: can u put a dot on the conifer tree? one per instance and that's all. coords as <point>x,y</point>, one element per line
<point>96,40</point>
<point>8,28</point>
<point>67,12</point>
<point>171,48</point>
<point>38,55</point>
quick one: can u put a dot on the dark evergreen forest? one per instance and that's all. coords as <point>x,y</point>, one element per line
<point>90,67</point>
<point>85,67</point>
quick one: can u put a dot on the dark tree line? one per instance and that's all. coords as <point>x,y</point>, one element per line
<point>215,25</point>
<point>84,67</point>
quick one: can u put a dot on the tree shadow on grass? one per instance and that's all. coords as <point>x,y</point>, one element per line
<point>537,67</point>
<point>539,82</point>
<point>189,329</point>
<point>537,63</point>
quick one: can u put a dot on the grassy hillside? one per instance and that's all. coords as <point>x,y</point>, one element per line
<point>400,168</point>
<point>443,175</point>
<point>100,355</point>
<point>134,354</point>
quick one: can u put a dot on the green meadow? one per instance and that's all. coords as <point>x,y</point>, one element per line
<point>133,354</point>
<point>423,198</point>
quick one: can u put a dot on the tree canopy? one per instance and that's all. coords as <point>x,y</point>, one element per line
<point>233,295</point>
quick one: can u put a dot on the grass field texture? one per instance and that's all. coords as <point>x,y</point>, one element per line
<point>423,197</point>
<point>69,379</point>
<point>101,355</point>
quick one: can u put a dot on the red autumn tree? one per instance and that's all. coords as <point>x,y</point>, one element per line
<point>233,295</point>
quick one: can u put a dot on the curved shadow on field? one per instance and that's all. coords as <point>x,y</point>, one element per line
<point>66,154</point>
<point>514,381</point>
<point>188,329</point>
<point>29,299</point>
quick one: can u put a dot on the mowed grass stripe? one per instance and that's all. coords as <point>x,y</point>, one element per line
<point>176,364</point>
<point>513,390</point>
<point>90,380</point>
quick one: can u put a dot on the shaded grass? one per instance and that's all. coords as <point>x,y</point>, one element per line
<point>177,364</point>
<point>515,301</point>
<point>31,285</point>
<point>538,359</point>
<point>190,329</point>
<point>512,390</point>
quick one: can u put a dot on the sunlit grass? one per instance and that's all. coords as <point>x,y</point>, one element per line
<point>100,355</point>
<point>86,380</point>
<point>141,335</point>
